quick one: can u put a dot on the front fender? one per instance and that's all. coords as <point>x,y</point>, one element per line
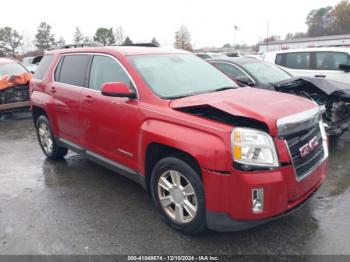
<point>210,150</point>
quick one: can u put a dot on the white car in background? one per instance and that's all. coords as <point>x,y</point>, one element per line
<point>331,62</point>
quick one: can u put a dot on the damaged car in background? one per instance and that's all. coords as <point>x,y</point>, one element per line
<point>14,86</point>
<point>333,96</point>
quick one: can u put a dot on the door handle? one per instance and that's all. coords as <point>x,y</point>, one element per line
<point>320,76</point>
<point>88,98</point>
<point>53,89</point>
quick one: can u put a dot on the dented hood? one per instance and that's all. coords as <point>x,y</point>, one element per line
<point>328,87</point>
<point>261,105</point>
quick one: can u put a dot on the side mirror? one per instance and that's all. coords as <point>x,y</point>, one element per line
<point>245,80</point>
<point>117,89</point>
<point>345,67</point>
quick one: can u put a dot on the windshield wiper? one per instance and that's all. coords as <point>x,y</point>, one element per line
<point>222,89</point>
<point>199,93</point>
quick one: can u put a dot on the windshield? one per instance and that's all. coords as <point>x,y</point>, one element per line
<point>266,73</point>
<point>11,69</point>
<point>179,75</point>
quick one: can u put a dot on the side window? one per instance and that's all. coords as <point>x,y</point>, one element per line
<point>330,60</point>
<point>73,70</point>
<point>43,66</point>
<point>279,60</point>
<point>105,69</point>
<point>230,70</point>
<point>298,60</point>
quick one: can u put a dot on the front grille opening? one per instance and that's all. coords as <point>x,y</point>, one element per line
<point>14,94</point>
<point>304,164</point>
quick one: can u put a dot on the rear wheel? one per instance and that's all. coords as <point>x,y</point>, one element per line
<point>178,194</point>
<point>47,141</point>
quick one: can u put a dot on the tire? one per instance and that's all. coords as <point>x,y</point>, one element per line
<point>47,141</point>
<point>182,207</point>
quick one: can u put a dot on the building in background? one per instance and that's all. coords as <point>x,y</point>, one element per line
<point>321,41</point>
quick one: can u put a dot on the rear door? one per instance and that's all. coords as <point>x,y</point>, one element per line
<point>296,63</point>
<point>70,77</point>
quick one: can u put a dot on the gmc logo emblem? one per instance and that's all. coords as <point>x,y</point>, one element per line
<point>306,149</point>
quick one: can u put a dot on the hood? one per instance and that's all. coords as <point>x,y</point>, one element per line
<point>261,105</point>
<point>328,87</point>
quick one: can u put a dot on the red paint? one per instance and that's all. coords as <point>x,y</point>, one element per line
<point>104,124</point>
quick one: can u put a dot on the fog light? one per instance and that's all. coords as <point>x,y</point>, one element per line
<point>257,200</point>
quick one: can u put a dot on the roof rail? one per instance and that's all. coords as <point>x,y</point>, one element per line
<point>143,44</point>
<point>77,45</point>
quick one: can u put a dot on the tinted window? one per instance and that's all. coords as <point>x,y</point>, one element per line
<point>43,66</point>
<point>105,69</point>
<point>177,75</point>
<point>330,60</point>
<point>229,70</point>
<point>279,60</point>
<point>298,60</point>
<point>73,70</point>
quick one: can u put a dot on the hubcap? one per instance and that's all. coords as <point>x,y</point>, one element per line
<point>177,196</point>
<point>45,138</point>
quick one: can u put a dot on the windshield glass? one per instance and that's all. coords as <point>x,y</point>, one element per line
<point>179,75</point>
<point>11,69</point>
<point>266,73</point>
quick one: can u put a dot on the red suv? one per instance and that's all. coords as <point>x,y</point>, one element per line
<point>212,154</point>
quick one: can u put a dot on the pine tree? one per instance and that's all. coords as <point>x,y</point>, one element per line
<point>78,36</point>
<point>44,39</point>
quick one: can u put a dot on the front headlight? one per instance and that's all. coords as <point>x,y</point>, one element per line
<point>253,148</point>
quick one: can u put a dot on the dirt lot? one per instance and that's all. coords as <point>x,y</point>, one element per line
<point>78,207</point>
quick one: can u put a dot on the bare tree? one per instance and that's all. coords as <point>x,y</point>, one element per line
<point>10,41</point>
<point>119,35</point>
<point>183,39</point>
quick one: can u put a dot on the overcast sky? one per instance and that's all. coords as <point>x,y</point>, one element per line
<point>210,22</point>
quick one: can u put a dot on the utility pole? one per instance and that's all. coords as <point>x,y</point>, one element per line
<point>267,35</point>
<point>235,29</point>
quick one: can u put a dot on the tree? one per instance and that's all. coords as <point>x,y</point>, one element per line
<point>155,41</point>
<point>226,46</point>
<point>87,39</point>
<point>44,39</point>
<point>341,18</point>
<point>105,36</point>
<point>183,39</point>
<point>318,21</point>
<point>10,41</point>
<point>78,36</point>
<point>119,35</point>
<point>295,35</point>
<point>61,41</point>
<point>127,41</point>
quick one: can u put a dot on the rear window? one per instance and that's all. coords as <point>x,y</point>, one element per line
<point>12,69</point>
<point>43,66</point>
<point>72,70</point>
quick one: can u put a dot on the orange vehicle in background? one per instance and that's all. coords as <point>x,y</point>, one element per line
<point>14,86</point>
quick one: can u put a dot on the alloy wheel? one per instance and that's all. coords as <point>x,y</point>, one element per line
<point>45,138</point>
<point>177,196</point>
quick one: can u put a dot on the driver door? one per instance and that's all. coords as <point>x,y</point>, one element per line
<point>111,123</point>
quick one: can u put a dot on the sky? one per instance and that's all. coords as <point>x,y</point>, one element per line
<point>210,22</point>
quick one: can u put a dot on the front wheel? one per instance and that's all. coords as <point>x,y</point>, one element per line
<point>178,193</point>
<point>47,141</point>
